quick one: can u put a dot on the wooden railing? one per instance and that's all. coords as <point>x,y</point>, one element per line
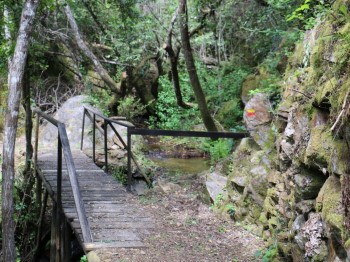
<point>63,150</point>
<point>132,130</point>
<point>93,116</point>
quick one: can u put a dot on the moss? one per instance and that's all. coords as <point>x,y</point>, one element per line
<point>337,98</point>
<point>246,147</point>
<point>274,224</point>
<point>255,212</point>
<point>331,203</point>
<point>269,204</point>
<point>318,154</point>
<point>326,89</point>
<point>347,244</point>
<point>298,56</point>
<point>263,219</point>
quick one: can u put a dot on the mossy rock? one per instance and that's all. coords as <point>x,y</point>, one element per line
<point>317,153</point>
<point>246,147</point>
<point>326,152</point>
<point>326,89</point>
<point>330,198</point>
<point>337,97</point>
<point>308,184</point>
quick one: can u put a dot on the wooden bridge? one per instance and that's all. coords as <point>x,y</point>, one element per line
<point>86,200</point>
<point>113,221</point>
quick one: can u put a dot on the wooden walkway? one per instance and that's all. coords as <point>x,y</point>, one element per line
<point>113,220</point>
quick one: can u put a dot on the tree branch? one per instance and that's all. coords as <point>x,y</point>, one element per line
<point>85,49</point>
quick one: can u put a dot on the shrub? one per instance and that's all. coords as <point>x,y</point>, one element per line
<point>131,108</point>
<point>168,114</point>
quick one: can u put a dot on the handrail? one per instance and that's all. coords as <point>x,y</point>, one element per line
<point>132,130</point>
<point>109,122</point>
<point>64,147</point>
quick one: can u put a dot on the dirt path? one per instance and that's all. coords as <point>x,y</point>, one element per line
<point>186,230</point>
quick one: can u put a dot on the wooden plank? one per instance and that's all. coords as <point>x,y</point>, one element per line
<point>112,235</point>
<point>126,244</point>
<point>115,225</point>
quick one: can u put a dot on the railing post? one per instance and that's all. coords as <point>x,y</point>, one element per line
<point>36,146</point>
<point>82,130</point>
<point>105,145</point>
<point>93,138</point>
<point>54,232</point>
<point>129,158</point>
<point>59,198</point>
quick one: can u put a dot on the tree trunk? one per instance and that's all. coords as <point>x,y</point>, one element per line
<point>173,57</point>
<point>191,68</point>
<point>85,49</point>
<point>15,77</point>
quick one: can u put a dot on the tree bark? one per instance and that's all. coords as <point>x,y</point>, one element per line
<point>85,49</point>
<point>191,68</point>
<point>7,32</point>
<point>15,77</point>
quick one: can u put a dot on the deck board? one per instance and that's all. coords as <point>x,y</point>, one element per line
<point>113,220</point>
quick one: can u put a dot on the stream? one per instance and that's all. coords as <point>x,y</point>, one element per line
<point>182,165</point>
<point>178,158</point>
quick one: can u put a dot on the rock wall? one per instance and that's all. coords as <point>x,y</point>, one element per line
<point>290,182</point>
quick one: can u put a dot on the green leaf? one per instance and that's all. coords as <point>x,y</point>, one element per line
<point>343,9</point>
<point>303,7</point>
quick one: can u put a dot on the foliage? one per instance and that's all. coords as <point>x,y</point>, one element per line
<point>83,259</point>
<point>168,114</point>
<point>223,89</point>
<point>218,200</point>
<point>310,12</point>
<point>230,209</point>
<point>268,254</point>
<point>131,107</point>
<point>271,84</point>
<point>99,99</point>
<point>217,149</point>
<point>120,174</point>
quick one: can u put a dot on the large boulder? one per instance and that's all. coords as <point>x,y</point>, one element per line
<point>71,114</point>
<point>257,118</point>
